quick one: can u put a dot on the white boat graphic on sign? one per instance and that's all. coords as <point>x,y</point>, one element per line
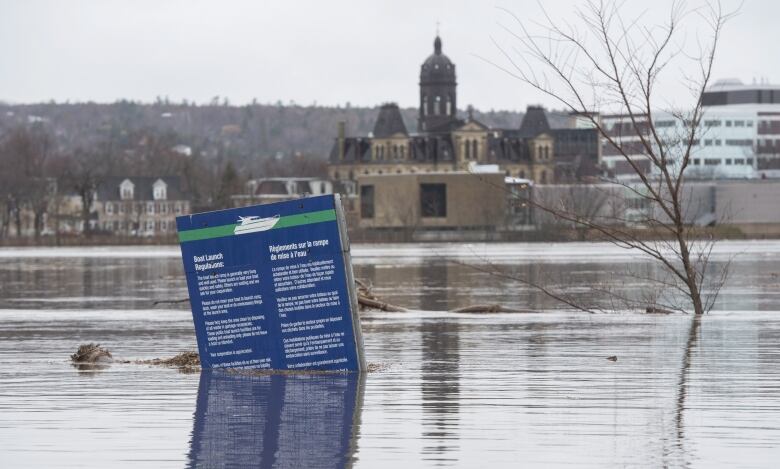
<point>254,224</point>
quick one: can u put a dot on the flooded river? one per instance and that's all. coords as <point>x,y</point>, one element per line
<point>457,390</point>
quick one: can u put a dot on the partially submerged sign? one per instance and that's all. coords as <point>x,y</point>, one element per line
<point>271,286</point>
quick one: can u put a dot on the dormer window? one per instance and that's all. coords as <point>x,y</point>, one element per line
<point>160,190</point>
<point>126,190</point>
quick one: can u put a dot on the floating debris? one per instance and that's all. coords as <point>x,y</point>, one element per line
<point>91,354</point>
<point>657,310</point>
<point>189,361</point>
<point>485,309</point>
<point>368,301</point>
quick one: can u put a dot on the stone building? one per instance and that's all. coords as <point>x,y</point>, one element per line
<point>444,142</point>
<point>139,206</point>
<point>434,200</point>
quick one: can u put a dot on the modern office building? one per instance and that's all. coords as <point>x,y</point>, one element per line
<point>739,135</point>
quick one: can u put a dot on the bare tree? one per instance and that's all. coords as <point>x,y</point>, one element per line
<point>26,153</point>
<point>85,170</point>
<point>607,61</point>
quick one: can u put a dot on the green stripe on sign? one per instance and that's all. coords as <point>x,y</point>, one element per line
<point>207,233</point>
<point>284,222</point>
<point>305,219</point>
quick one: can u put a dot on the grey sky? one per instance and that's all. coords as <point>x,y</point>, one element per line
<point>364,52</point>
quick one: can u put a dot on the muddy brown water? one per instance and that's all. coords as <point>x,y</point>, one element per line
<point>486,390</point>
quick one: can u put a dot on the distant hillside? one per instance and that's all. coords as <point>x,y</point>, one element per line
<point>242,134</point>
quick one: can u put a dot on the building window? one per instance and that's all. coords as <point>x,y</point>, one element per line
<point>433,200</point>
<point>739,161</point>
<point>366,201</point>
<point>728,161</point>
<point>109,208</point>
<point>696,162</point>
<point>728,123</point>
<point>468,149</point>
<point>150,208</point>
<point>739,123</point>
<point>436,104</point>
<point>544,177</point>
<point>425,105</point>
<point>718,143</point>
<point>711,162</point>
<point>449,106</point>
<point>707,142</point>
<point>177,208</point>
<point>546,152</point>
<point>164,225</point>
<point>474,148</point>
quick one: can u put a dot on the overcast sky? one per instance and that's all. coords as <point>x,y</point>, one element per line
<point>330,52</point>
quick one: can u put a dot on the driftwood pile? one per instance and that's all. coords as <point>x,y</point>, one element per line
<point>91,354</point>
<point>368,301</point>
<point>182,360</point>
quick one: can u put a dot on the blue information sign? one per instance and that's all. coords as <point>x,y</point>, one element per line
<point>271,286</point>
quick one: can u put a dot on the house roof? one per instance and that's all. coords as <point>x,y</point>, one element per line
<point>108,189</point>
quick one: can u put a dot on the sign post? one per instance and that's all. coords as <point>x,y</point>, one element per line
<point>271,286</point>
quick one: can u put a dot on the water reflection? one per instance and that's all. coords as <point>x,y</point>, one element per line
<point>268,421</point>
<point>440,388</point>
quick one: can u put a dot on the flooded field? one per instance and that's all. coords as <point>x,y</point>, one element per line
<point>459,390</point>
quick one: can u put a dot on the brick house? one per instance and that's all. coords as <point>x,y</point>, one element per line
<point>139,206</point>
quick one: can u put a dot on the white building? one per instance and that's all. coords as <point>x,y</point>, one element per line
<point>739,137</point>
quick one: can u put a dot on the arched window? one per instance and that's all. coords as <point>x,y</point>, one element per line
<point>546,152</point>
<point>436,106</point>
<point>468,149</point>
<point>521,174</point>
<point>449,106</point>
<point>403,152</point>
<point>425,105</point>
<point>544,177</point>
<point>336,175</point>
<point>395,152</point>
<point>474,149</point>
<point>539,151</point>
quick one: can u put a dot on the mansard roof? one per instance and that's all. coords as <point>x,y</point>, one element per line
<point>389,122</point>
<point>534,122</point>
